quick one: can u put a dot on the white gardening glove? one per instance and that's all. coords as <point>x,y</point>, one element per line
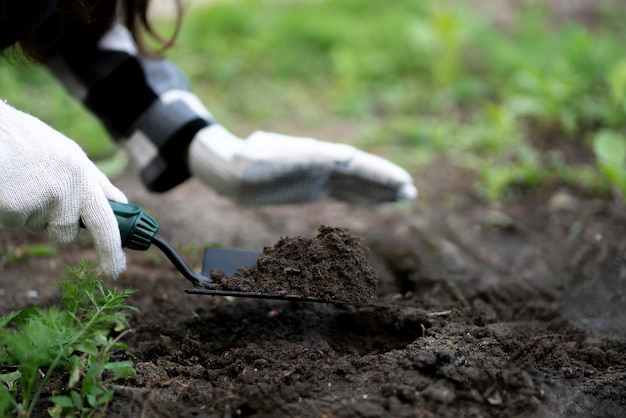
<point>269,168</point>
<point>47,183</point>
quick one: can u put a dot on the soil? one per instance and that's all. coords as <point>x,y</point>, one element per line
<point>515,310</point>
<point>330,267</point>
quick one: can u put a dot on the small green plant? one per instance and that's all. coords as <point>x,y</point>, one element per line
<point>610,149</point>
<point>78,338</point>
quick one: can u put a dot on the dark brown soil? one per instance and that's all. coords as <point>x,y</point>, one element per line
<point>480,311</point>
<point>331,267</point>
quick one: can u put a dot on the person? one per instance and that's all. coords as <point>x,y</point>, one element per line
<point>96,49</point>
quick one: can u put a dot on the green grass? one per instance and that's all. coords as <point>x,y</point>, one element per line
<point>417,81</point>
<point>74,342</point>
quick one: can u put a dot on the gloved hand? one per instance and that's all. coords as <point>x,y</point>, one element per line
<point>47,183</point>
<point>269,168</point>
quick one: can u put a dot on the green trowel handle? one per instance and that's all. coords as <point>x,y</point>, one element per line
<point>137,228</point>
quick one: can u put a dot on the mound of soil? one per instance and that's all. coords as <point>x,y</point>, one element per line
<point>331,266</point>
<point>474,317</point>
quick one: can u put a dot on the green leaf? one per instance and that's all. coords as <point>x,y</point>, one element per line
<point>89,387</point>
<point>610,149</point>
<point>89,347</point>
<point>63,401</point>
<point>119,346</point>
<point>616,79</point>
<point>120,369</point>
<point>78,402</point>
<point>7,401</point>
<point>105,398</point>
<point>9,379</point>
<point>92,400</point>
<point>100,338</point>
<point>8,318</point>
<point>75,365</point>
<point>55,411</point>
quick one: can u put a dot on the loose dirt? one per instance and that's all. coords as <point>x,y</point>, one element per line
<point>515,310</point>
<point>331,266</point>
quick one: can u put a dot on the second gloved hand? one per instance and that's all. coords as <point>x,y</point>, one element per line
<point>269,168</point>
<point>47,183</point>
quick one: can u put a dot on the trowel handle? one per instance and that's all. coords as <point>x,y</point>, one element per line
<point>137,228</point>
<point>139,231</point>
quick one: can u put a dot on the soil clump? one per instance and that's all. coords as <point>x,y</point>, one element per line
<point>330,266</point>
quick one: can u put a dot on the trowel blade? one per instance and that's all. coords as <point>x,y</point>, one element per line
<point>227,260</point>
<point>257,295</point>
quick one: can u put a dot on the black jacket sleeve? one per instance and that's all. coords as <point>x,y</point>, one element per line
<point>145,103</point>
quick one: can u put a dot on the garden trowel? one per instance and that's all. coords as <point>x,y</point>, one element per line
<point>139,232</point>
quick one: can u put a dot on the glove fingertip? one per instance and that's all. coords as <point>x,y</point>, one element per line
<point>407,192</point>
<point>115,194</point>
<point>113,266</point>
<point>102,224</point>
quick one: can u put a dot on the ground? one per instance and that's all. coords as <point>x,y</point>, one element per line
<point>515,310</point>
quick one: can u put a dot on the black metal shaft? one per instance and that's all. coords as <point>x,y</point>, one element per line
<point>178,262</point>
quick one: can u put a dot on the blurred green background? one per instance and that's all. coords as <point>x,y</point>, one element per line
<point>519,101</point>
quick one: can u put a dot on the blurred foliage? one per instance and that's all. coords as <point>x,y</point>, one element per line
<point>33,90</point>
<point>610,149</point>
<point>416,81</point>
<point>14,254</point>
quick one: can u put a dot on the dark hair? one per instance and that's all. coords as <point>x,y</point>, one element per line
<point>75,23</point>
